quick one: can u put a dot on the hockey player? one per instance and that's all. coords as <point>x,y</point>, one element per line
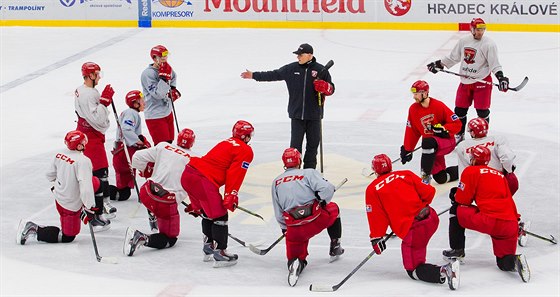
<point>401,200</point>
<point>302,205</point>
<point>494,214</point>
<point>73,190</point>
<point>93,120</point>
<point>431,120</point>
<point>162,165</point>
<point>131,125</point>
<point>224,165</point>
<point>159,85</point>
<point>307,93</point>
<point>478,55</point>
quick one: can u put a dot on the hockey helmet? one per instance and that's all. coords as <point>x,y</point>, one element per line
<point>477,23</point>
<point>89,68</point>
<point>159,51</point>
<point>420,85</point>
<point>242,129</point>
<point>291,157</point>
<point>186,138</point>
<point>480,155</point>
<point>74,138</point>
<point>133,97</point>
<point>381,164</point>
<point>478,128</point>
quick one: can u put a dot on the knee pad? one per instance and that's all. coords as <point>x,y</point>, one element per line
<point>124,194</point>
<point>429,145</point>
<point>103,175</point>
<point>66,238</point>
<point>461,112</point>
<point>506,263</point>
<point>412,274</point>
<point>484,113</point>
<point>440,177</point>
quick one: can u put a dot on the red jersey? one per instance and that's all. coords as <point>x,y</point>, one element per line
<point>394,199</point>
<point>421,119</point>
<point>489,189</point>
<point>225,164</point>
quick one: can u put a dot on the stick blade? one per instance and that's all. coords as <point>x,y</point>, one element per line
<point>521,85</point>
<point>255,250</point>
<point>108,260</point>
<point>553,240</point>
<point>321,288</point>
<point>366,172</point>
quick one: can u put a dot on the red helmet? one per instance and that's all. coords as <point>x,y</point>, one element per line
<point>89,68</point>
<point>291,157</point>
<point>478,127</point>
<point>242,129</point>
<point>420,85</point>
<point>477,23</point>
<point>481,155</point>
<point>159,51</point>
<point>73,138</point>
<point>132,97</point>
<point>381,164</point>
<point>185,139</point>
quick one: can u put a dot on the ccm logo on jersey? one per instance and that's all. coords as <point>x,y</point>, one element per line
<point>489,145</point>
<point>177,151</point>
<point>491,171</point>
<point>387,180</point>
<point>64,158</point>
<point>288,178</point>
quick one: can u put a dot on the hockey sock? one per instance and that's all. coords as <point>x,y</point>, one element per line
<point>160,241</point>
<point>207,230</point>
<point>48,234</point>
<point>335,230</point>
<point>429,148</point>
<point>428,272</point>
<point>506,263</point>
<point>456,232</point>
<point>462,114</point>
<point>452,173</point>
<point>484,113</point>
<point>220,232</point>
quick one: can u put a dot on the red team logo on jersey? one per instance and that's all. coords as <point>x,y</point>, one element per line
<point>427,123</point>
<point>398,7</point>
<point>470,53</point>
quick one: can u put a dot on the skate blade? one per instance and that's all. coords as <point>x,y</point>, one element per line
<point>220,264</point>
<point>334,258</point>
<point>208,258</point>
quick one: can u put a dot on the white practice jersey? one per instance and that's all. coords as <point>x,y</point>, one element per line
<point>87,106</point>
<point>155,90</point>
<point>478,58</point>
<point>131,124</point>
<point>170,161</point>
<point>297,187</point>
<point>71,172</point>
<point>502,155</point>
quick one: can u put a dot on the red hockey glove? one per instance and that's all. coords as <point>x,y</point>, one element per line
<point>87,214</point>
<point>193,212</point>
<point>148,170</point>
<point>165,71</point>
<point>230,201</point>
<point>107,95</point>
<point>323,87</point>
<point>143,143</point>
<point>174,94</point>
<point>378,245</point>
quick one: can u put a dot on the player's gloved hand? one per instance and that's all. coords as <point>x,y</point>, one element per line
<point>406,156</point>
<point>452,193</point>
<point>165,71</point>
<point>378,245</point>
<point>87,214</point>
<point>193,212</point>
<point>422,214</point>
<point>503,82</point>
<point>284,231</point>
<point>230,201</point>
<point>143,142</point>
<point>323,87</point>
<point>174,94</point>
<point>440,131</point>
<point>148,171</point>
<point>435,66</point>
<point>107,95</point>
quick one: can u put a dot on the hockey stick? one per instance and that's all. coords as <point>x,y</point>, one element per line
<point>327,288</point>
<point>518,88</point>
<point>175,116</point>
<point>250,212</point>
<point>110,260</point>
<point>368,172</point>
<point>152,219</point>
<point>329,64</point>
<point>551,239</point>
<point>263,252</point>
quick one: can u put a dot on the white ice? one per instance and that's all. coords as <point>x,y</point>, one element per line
<point>373,72</point>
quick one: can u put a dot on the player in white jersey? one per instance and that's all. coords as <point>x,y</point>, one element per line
<point>131,125</point>
<point>478,55</point>
<point>93,120</point>
<point>163,166</point>
<point>302,205</point>
<point>159,85</point>
<point>73,190</point>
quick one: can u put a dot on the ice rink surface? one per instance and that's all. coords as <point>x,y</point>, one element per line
<point>373,71</point>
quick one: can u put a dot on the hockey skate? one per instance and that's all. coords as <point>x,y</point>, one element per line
<point>223,259</point>
<point>522,235</point>
<point>459,137</point>
<point>335,250</point>
<point>450,271</point>
<point>522,268</point>
<point>99,223</point>
<point>454,254</point>
<point>208,250</point>
<point>133,240</point>
<point>295,267</point>
<point>25,231</point>
<point>426,178</point>
<point>110,212</point>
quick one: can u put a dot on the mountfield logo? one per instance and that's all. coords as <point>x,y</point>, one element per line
<point>398,7</point>
<point>292,6</point>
